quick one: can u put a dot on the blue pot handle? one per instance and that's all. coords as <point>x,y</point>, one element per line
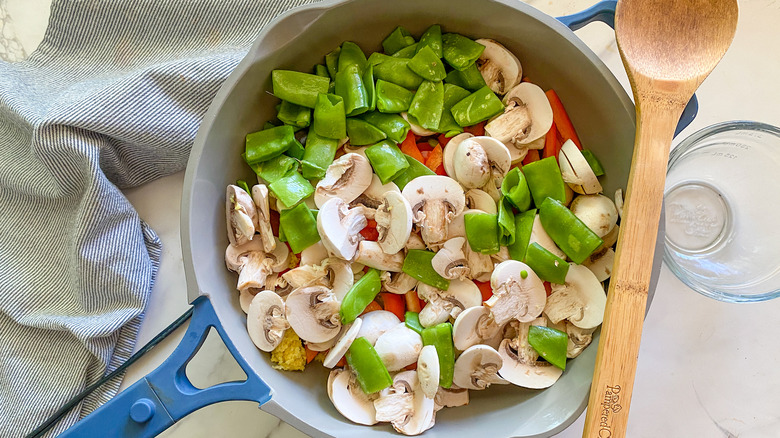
<point>166,395</point>
<point>605,12</point>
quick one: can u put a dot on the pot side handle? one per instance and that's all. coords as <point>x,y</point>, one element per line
<point>604,11</point>
<point>166,395</point>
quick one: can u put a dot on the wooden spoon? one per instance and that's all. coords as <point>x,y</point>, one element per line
<point>668,47</point>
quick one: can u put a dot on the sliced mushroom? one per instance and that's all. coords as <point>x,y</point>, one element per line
<point>600,263</point>
<point>480,200</point>
<point>236,256</point>
<point>342,345</point>
<point>246,296</point>
<point>339,275</point>
<point>581,299</point>
<point>527,116</point>
<point>519,151</point>
<point>371,254</point>
<point>265,320</point>
<point>393,222</point>
<point>346,178</point>
<point>515,295</point>
<point>349,399</point>
<point>428,370</point>
<point>450,262</point>
<point>451,397</point>
<point>417,129</point>
<point>597,212</point>
<point>457,227</point>
<point>241,215</point>
<point>448,154</point>
<point>349,149</point>
<point>435,200</point>
<point>480,265</point>
<point>499,67</point>
<point>398,282</point>
<point>540,236</point>
<point>414,242</point>
<point>323,346</point>
<point>398,347</point>
<point>313,312</point>
<point>477,368</point>
<point>501,256</point>
<point>404,405</point>
<point>578,339</point>
<point>339,227</point>
<point>461,295</point>
<point>306,275</point>
<point>263,216</point>
<point>576,171</point>
<point>372,196</point>
<point>376,323</point>
<point>474,326</point>
<point>481,162</point>
<point>521,366</point>
<point>253,265</point>
<point>610,239</point>
<point>314,254</point>
<point>619,202</point>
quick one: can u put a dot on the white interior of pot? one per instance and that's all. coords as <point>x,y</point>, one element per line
<point>551,56</point>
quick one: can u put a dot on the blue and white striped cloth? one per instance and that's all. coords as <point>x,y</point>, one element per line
<point>111,99</point>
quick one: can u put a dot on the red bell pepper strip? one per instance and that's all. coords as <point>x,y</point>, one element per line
<point>394,303</point>
<point>476,130</point>
<point>409,147</point>
<point>413,304</point>
<point>550,141</point>
<point>370,232</point>
<point>371,307</point>
<point>424,146</point>
<point>484,289</point>
<point>435,158</point>
<point>561,119</point>
<point>443,140</point>
<point>310,355</point>
<point>531,156</point>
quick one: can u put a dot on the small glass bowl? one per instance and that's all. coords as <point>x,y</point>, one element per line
<point>722,212</point>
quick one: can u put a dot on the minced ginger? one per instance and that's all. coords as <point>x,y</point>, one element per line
<point>289,355</point>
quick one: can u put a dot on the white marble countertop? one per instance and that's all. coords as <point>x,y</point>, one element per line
<point>706,368</point>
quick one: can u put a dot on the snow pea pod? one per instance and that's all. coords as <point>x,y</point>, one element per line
<point>241,183</point>
<point>294,115</point>
<point>332,62</point>
<point>545,180</point>
<point>397,40</point>
<point>368,82</point>
<point>545,264</point>
<point>351,54</point>
<point>406,52</point>
<point>431,38</point>
<point>393,125</point>
<point>476,107</point>
<point>427,65</point>
<point>317,155</point>
<point>268,143</point>
<point>524,223</point>
<point>298,88</point>
<point>506,222</point>
<point>377,58</point>
<point>417,264</point>
<point>440,336</point>
<point>571,235</point>
<point>593,162</point>
<point>291,189</point>
<point>276,168</point>
<point>362,133</point>
<point>300,227</point>
<point>359,296</point>
<point>392,98</point>
<point>414,170</point>
<point>482,232</point>
<point>295,150</point>
<point>469,78</point>
<point>412,320</point>
<point>550,343</point>
<point>370,372</point>
<point>396,70</point>
<point>515,188</point>
<point>330,120</point>
<point>387,160</point>
<point>321,70</point>
<point>452,95</point>
<point>428,104</point>
<point>349,85</point>
<point>459,51</point>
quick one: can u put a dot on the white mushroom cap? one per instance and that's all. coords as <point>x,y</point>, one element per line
<point>236,256</point>
<point>397,282</point>
<point>398,347</point>
<point>521,366</point>
<point>499,67</point>
<point>428,371</point>
<point>376,323</point>
<point>477,368</point>
<point>527,116</point>
<point>339,227</point>
<point>435,200</point>
<point>405,405</point>
<point>473,326</point>
<point>346,178</point>
<point>449,261</point>
<point>600,263</point>
<point>480,265</point>
<point>480,200</point>
<point>540,236</point>
<point>265,320</point>
<point>610,239</point>
<point>597,212</point>
<point>246,296</point>
<point>448,154</point>
<point>241,215</point>
<point>306,275</point>
<point>263,216</point>
<point>414,242</point>
<point>349,149</point>
<point>372,196</point>
<point>323,346</point>
<point>314,254</point>
<point>515,297</point>
<point>451,397</point>
<point>258,266</point>
<point>481,162</point>
<point>581,299</point>
<point>417,129</point>
<point>393,222</point>
<point>461,295</point>
<point>578,339</point>
<point>342,345</point>
<point>576,171</point>
<point>349,399</point>
<point>519,151</point>
<point>340,277</point>
<point>370,254</point>
<point>313,312</point>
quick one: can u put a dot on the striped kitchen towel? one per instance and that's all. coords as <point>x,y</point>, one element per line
<point>111,99</point>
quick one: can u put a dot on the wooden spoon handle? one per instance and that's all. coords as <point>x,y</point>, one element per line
<point>613,380</point>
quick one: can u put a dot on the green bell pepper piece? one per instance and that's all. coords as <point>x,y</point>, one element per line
<point>351,54</point>
<point>414,170</point>
<point>393,125</point>
<point>459,51</point>
<point>397,40</point>
<point>431,38</point>
<point>291,189</point>
<point>392,98</point>
<point>361,133</point>
<point>241,183</point>
<point>545,264</point>
<point>426,64</point>
<point>412,320</point>
<point>593,162</point>
<point>469,78</point>
<point>332,62</point>
<point>417,264</point>
<point>506,222</point>
<point>318,155</point>
<point>349,85</point>
<point>428,104</point>
<point>452,95</point>
<point>370,372</point>
<point>515,188</point>
<point>571,235</point>
<point>276,168</point>
<point>524,223</point>
<point>294,115</point>
<point>368,82</point>
<point>396,70</point>
<point>482,232</point>
<point>440,336</point>
<point>268,143</point>
<point>406,52</point>
<point>545,180</point>
<point>300,227</point>
<point>476,107</point>
<point>330,120</point>
<point>359,296</point>
<point>298,88</point>
<point>321,70</point>
<point>387,160</point>
<point>550,343</point>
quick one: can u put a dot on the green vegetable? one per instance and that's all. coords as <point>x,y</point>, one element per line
<point>291,189</point>
<point>544,180</point>
<point>459,51</point>
<point>318,154</point>
<point>396,70</point>
<point>300,227</point>
<point>452,95</point>
<point>241,183</point>
<point>276,168</point>
<point>515,188</point>
<point>506,222</point>
<point>393,125</point>
<point>431,38</point>
<point>330,120</point>
<point>295,115</point>
<point>426,64</point>
<point>268,143</point>
<point>550,344</point>
<point>351,54</point>
<point>428,104</point>
<point>571,235</point>
<point>524,223</point>
<point>440,336</point>
<point>469,78</point>
<point>417,264</point>
<point>387,160</point>
<point>369,370</point>
<point>368,82</point>
<point>593,162</point>
<point>407,52</point>
<point>349,85</point>
<point>332,62</point>
<point>298,88</point>
<point>397,40</point>
<point>392,98</point>
<point>545,264</point>
<point>295,150</point>
<point>476,107</point>
<point>412,320</point>
<point>414,170</point>
<point>482,232</point>
<point>377,58</point>
<point>362,133</point>
<point>321,70</point>
<point>359,296</point>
